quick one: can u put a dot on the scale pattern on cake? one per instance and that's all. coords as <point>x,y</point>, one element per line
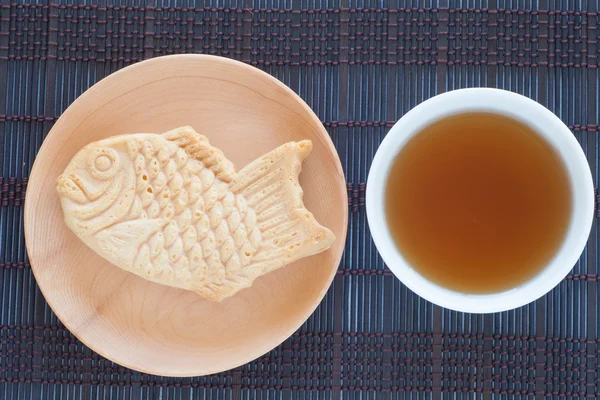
<point>172,209</point>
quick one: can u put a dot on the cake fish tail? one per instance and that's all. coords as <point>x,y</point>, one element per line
<point>288,230</point>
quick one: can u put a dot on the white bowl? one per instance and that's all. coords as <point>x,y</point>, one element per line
<point>544,123</point>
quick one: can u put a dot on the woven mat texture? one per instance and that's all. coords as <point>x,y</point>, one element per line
<point>360,65</point>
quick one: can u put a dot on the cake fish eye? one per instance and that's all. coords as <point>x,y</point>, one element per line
<point>104,164</point>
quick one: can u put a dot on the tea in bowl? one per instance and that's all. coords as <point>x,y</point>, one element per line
<point>480,200</point>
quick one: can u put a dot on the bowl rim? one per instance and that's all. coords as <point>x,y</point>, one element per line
<point>327,141</point>
<point>544,123</point>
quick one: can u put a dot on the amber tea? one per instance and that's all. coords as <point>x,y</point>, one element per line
<point>478,203</point>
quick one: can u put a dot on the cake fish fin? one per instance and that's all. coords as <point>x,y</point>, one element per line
<point>198,147</point>
<point>121,243</point>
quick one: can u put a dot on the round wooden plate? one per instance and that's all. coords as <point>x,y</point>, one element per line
<point>154,328</point>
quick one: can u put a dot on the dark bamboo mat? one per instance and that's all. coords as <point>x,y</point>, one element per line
<point>360,67</point>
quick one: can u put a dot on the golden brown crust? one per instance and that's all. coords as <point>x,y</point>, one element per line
<point>171,209</point>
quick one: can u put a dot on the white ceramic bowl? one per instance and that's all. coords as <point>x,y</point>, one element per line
<point>542,121</point>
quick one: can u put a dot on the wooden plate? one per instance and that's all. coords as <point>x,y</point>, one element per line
<point>150,327</point>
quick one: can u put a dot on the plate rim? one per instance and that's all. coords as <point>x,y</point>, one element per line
<point>327,141</point>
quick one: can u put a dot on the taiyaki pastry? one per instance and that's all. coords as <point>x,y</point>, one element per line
<point>172,209</point>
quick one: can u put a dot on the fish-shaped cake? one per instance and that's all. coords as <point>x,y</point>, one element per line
<point>172,209</point>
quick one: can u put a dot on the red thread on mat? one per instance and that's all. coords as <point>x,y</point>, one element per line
<point>18,265</point>
<point>12,191</point>
<point>276,11</point>
<point>327,124</point>
<point>344,272</point>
